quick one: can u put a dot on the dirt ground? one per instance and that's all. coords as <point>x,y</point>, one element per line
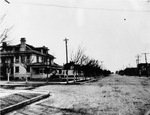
<point>113,95</point>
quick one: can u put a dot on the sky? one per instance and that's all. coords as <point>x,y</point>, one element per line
<point>111,31</point>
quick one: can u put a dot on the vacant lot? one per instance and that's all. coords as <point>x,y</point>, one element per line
<point>113,95</point>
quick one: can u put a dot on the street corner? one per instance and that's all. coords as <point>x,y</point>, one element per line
<point>15,100</point>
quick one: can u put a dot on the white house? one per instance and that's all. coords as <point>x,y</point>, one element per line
<point>25,60</point>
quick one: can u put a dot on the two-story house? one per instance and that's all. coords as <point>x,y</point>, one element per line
<point>25,60</point>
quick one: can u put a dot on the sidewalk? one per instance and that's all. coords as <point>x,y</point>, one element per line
<point>12,87</point>
<point>19,87</point>
<point>35,83</point>
<point>7,88</point>
<point>17,99</point>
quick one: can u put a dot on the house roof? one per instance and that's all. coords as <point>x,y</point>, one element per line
<point>58,66</point>
<point>41,65</point>
<point>30,49</point>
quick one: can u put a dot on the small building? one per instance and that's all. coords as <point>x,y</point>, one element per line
<point>25,60</point>
<point>144,69</point>
<point>132,71</point>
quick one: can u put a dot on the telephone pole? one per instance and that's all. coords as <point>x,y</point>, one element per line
<point>145,57</point>
<point>146,63</point>
<point>138,59</point>
<point>137,62</point>
<point>66,40</point>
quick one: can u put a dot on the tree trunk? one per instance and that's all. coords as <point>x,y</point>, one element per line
<point>26,78</point>
<point>74,78</point>
<point>67,78</point>
<point>8,75</point>
<point>47,78</point>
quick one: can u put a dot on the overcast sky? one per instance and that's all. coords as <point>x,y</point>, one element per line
<point>112,31</point>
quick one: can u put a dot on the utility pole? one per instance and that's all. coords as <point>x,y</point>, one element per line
<point>146,62</point>
<point>138,59</point>
<point>66,40</point>
<point>137,62</point>
<point>145,57</point>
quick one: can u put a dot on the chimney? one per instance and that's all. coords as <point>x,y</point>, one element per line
<point>23,44</point>
<point>4,44</point>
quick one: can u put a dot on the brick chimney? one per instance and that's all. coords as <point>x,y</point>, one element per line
<point>23,44</point>
<point>4,44</point>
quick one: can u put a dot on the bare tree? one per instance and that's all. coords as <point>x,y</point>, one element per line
<point>84,65</point>
<point>4,38</point>
<point>4,32</point>
<point>26,62</point>
<point>80,57</point>
<point>8,64</point>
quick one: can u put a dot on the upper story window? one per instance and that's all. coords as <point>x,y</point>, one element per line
<point>41,50</point>
<point>22,59</point>
<point>37,58</point>
<point>28,58</point>
<point>17,59</point>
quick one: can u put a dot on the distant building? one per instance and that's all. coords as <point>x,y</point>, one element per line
<point>25,60</point>
<point>144,69</point>
<point>132,71</point>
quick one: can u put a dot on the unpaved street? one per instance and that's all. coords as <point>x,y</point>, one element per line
<point>113,95</point>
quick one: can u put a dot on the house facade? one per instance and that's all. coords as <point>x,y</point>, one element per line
<point>24,60</point>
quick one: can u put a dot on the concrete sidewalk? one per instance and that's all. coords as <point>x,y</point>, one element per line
<point>23,102</point>
<point>7,88</point>
<point>30,83</point>
<point>15,83</point>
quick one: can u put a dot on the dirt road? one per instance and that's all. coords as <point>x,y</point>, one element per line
<point>113,95</point>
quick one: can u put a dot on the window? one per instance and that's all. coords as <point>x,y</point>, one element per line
<point>28,58</point>
<point>23,59</point>
<point>60,71</point>
<point>41,71</point>
<point>28,68</point>
<point>37,58</point>
<point>17,69</point>
<point>17,59</point>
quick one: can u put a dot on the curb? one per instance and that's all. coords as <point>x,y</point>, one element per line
<point>87,81</point>
<point>24,103</point>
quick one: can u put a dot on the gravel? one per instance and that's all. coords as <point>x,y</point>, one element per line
<point>113,95</point>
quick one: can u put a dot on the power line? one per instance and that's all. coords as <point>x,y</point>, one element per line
<point>86,8</point>
<point>7,1</point>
